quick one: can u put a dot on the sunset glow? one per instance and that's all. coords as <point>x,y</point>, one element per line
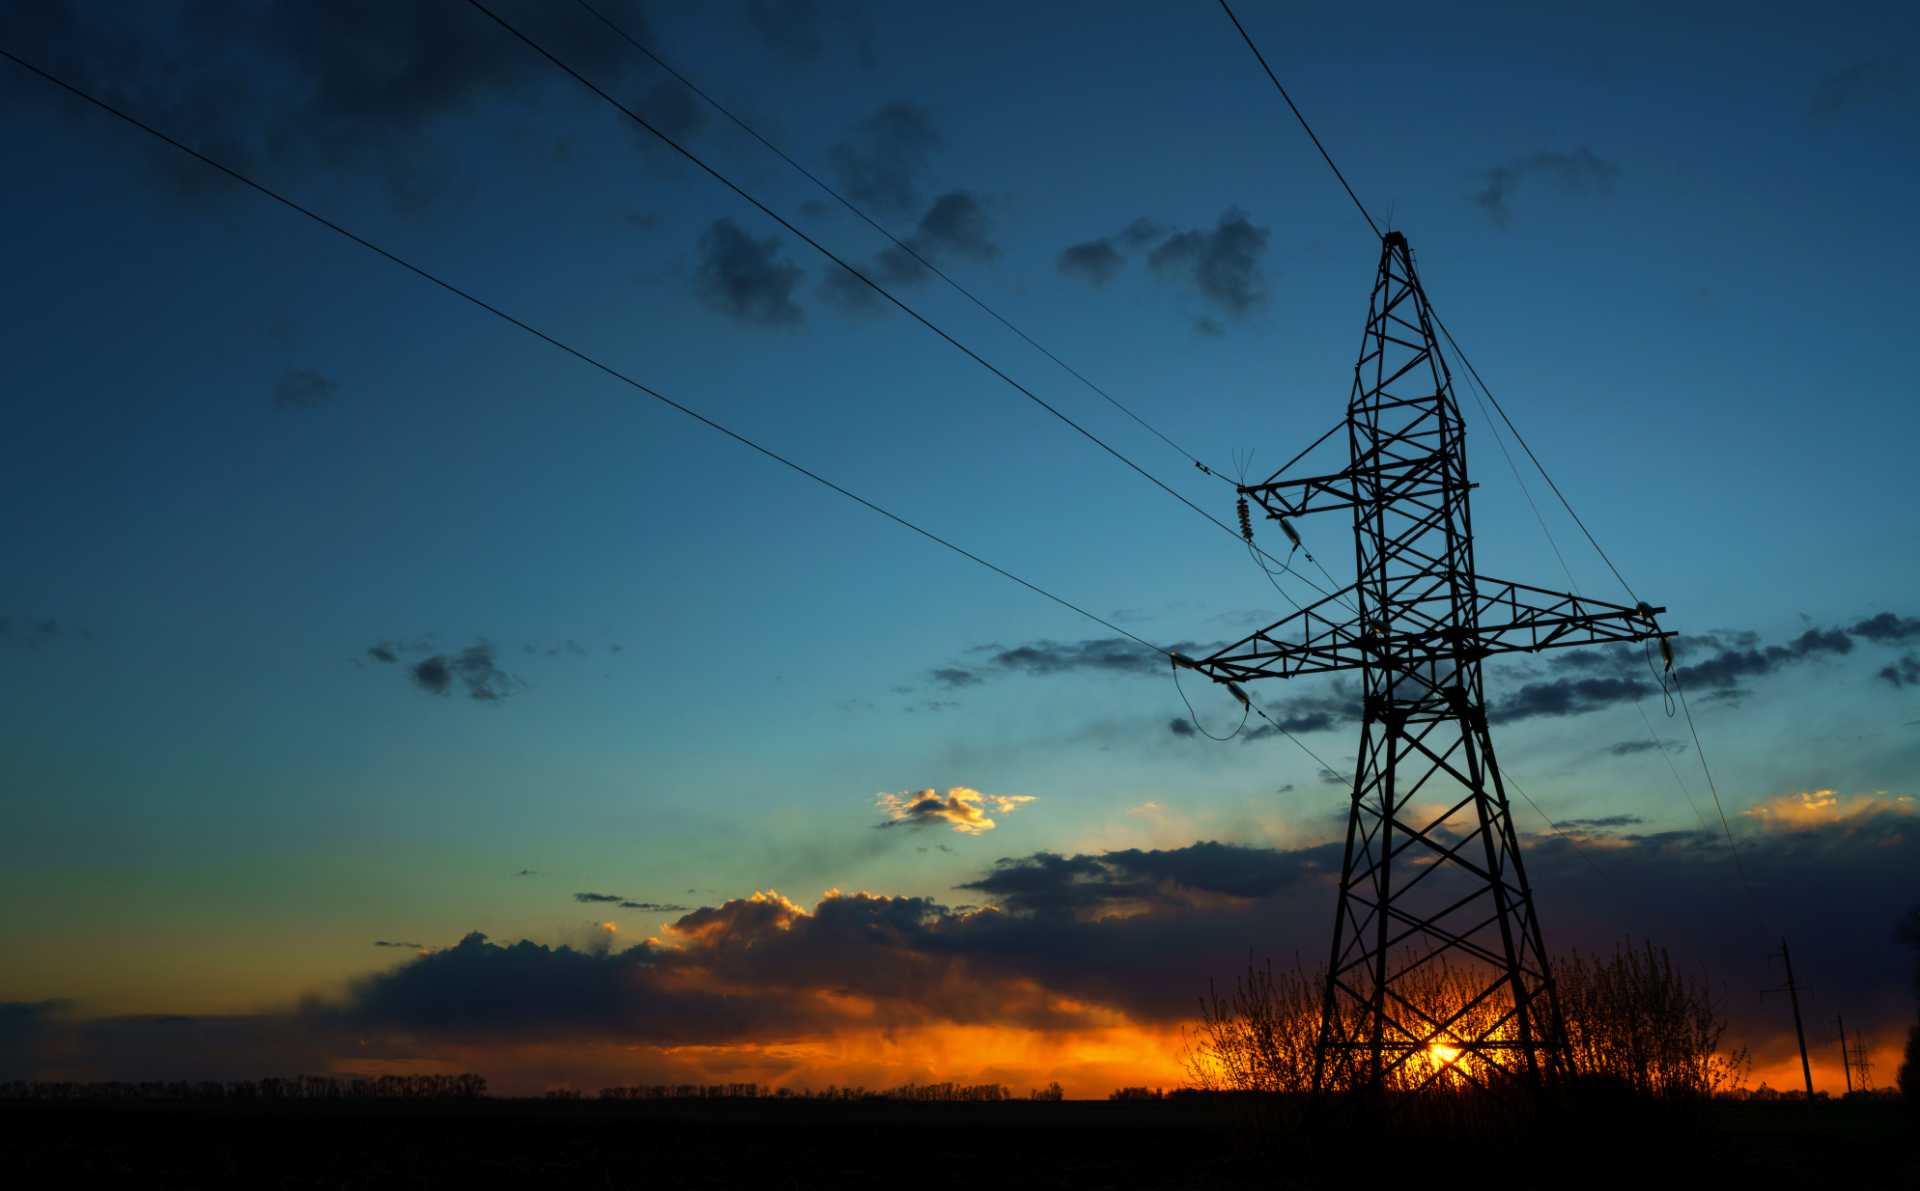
<point>484,594</point>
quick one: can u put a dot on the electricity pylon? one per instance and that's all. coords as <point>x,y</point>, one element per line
<point>1433,880</point>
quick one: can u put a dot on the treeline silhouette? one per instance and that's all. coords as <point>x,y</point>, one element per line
<point>297,1087</point>
<point>1632,1021</point>
<point>928,1093</point>
<point>1908,932</point>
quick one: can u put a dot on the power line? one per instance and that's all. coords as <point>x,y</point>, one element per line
<point>607,369</point>
<point>903,245</point>
<point>1291,106</point>
<point>1574,585</point>
<point>1714,788</point>
<point>1521,439</point>
<point>1438,321</point>
<point>875,286</point>
<point>575,352</point>
<point>1518,437</point>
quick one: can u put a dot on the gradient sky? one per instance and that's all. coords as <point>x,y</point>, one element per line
<point>243,455</point>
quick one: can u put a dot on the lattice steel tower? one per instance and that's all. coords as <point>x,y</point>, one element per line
<point>1433,879</point>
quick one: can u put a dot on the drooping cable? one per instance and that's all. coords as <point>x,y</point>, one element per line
<point>1294,108</point>
<point>607,369</point>
<point>1197,725</point>
<point>694,158</point>
<point>902,245</point>
<point>1573,585</point>
<point>1475,374</point>
<point>1541,467</point>
<point>570,350</point>
<point>1342,178</point>
<point>1714,787</point>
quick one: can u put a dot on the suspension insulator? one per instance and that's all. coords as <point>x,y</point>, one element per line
<point>1246,521</point>
<point>1666,652</point>
<point>1293,535</point>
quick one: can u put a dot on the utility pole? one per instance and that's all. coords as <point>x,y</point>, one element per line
<point>1793,994</point>
<point>1846,1060</point>
<point>1433,871</point>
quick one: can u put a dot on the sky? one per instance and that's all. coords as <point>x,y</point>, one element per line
<point>362,651</point>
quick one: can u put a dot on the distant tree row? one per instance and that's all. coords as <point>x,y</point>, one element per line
<point>299,1087</point>
<point>1908,932</point>
<point>935,1093</point>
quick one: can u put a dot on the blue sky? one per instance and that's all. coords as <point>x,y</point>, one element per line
<point>243,452</point>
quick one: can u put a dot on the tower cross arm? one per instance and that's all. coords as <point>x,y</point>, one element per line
<point>1420,476</point>
<point>1508,617</point>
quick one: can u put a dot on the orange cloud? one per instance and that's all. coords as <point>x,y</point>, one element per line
<point>1824,808</point>
<point>1086,1063</point>
<point>963,809</point>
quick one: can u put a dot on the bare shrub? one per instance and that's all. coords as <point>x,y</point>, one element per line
<point>1631,1020</point>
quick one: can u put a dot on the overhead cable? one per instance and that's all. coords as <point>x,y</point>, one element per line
<point>905,246</point>
<point>576,353</point>
<point>869,282</point>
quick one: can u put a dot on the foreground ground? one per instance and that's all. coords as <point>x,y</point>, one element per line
<point>828,1145</point>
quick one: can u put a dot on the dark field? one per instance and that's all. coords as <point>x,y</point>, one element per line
<point>1169,1144</point>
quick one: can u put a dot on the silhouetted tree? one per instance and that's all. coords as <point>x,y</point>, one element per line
<point>1630,1019</point>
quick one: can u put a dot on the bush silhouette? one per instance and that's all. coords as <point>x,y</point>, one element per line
<point>1632,1023</point>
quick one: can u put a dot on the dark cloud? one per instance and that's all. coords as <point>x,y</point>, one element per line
<point>1564,696</point>
<point>36,633</point>
<point>1293,722</point>
<point>802,29</point>
<point>1628,748</point>
<point>625,903</point>
<point>816,208</point>
<point>881,166</point>
<point>1047,883</point>
<point>1099,260</point>
<point>303,388</point>
<point>407,946</point>
<point>1886,628</point>
<point>1104,655</point>
<point>1854,84</point>
<point>473,668</point>
<point>1095,262</point>
<point>1722,662</point>
<point>744,278</point>
<point>1903,672</point>
<point>1066,942</point>
<point>955,225</point>
<point>673,109</point>
<point>1141,232</point>
<point>1579,172</point>
<point>355,87</point>
<point>1212,328</point>
<point>1604,823</point>
<point>790,26</point>
<point>1222,265</point>
<point>1180,726</point>
<point>392,651</point>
